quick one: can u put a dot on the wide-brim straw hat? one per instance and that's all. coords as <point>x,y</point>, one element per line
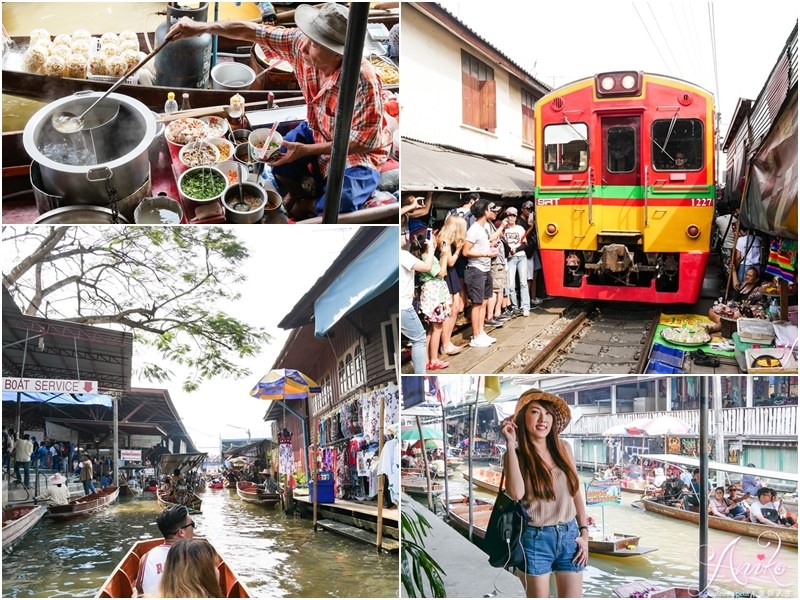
<point>57,479</point>
<point>559,405</point>
<point>327,26</point>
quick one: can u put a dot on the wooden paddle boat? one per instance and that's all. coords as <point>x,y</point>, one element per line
<point>19,520</point>
<point>250,492</point>
<point>121,582</point>
<point>85,504</point>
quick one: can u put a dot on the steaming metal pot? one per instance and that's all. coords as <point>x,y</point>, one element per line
<point>83,167</point>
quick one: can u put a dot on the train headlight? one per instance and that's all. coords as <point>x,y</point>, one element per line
<point>693,231</point>
<point>607,83</point>
<point>629,82</point>
<point>551,229</point>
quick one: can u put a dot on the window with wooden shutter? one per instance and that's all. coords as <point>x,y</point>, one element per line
<point>527,117</point>
<point>478,94</point>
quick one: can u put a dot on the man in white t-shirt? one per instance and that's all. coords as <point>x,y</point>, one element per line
<point>410,325</point>
<point>175,524</point>
<point>746,254</point>
<point>478,275</point>
<point>757,507</point>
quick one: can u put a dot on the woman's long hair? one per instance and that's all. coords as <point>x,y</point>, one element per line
<point>190,571</point>
<point>537,477</point>
<point>454,231</point>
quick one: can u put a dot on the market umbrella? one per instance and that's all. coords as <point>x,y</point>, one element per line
<point>666,424</point>
<point>285,384</point>
<point>429,444</point>
<point>637,426</point>
<point>410,434</point>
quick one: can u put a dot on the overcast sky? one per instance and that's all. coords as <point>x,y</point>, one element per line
<point>285,262</point>
<point>560,42</point>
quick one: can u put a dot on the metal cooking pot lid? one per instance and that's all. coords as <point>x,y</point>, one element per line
<point>80,215</point>
<point>275,64</point>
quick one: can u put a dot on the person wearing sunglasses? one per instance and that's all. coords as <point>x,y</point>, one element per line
<point>175,524</point>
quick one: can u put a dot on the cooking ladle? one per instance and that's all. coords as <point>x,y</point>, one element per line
<point>67,122</point>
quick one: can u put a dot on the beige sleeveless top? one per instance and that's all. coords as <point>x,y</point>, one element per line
<point>550,512</point>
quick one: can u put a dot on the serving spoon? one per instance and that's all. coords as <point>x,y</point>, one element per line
<point>67,122</point>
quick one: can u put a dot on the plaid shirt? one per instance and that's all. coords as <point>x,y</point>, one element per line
<point>321,95</point>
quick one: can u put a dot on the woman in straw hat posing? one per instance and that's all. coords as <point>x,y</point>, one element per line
<point>541,472</point>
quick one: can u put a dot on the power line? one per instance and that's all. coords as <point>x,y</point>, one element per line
<point>652,41</point>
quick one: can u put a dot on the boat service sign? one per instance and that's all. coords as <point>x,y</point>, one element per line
<point>130,455</point>
<point>55,386</point>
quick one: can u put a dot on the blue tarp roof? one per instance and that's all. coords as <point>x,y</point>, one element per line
<point>74,399</point>
<point>371,273</point>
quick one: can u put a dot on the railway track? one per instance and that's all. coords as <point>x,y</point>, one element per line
<point>590,337</point>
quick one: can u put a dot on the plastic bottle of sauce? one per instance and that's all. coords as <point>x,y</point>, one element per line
<point>236,117</point>
<point>171,105</point>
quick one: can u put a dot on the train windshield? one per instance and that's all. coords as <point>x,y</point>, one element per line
<point>677,144</point>
<point>566,147</point>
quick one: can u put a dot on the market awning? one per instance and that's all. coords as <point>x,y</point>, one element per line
<point>371,273</point>
<point>45,398</point>
<point>429,167</point>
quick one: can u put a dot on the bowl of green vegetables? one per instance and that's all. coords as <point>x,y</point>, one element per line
<point>202,185</point>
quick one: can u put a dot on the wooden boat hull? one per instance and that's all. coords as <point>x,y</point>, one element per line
<point>482,512</point>
<point>418,486</point>
<point>249,492</point>
<point>787,535</point>
<point>18,521</point>
<point>485,478</point>
<point>193,503</point>
<point>85,504</point>
<point>621,545</point>
<point>122,580</point>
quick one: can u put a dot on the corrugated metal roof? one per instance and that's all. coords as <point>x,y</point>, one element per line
<point>431,167</point>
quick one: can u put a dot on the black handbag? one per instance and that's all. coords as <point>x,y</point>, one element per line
<point>503,541</point>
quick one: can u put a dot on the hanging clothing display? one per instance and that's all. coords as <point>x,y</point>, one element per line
<point>389,465</point>
<point>782,260</point>
<point>285,453</point>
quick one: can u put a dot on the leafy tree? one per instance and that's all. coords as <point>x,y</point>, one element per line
<point>169,286</point>
<point>415,560</point>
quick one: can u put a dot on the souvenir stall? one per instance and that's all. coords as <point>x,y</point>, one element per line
<point>349,436</point>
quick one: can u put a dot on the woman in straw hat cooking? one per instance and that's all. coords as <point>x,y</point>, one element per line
<point>315,49</point>
<point>541,472</point>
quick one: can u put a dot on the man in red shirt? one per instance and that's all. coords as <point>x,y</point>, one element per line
<point>315,50</point>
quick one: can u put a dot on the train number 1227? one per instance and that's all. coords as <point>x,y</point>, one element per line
<point>702,202</point>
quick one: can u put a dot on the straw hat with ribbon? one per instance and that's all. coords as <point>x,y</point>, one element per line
<point>559,407</point>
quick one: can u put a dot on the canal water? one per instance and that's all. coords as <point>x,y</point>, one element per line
<point>736,563</point>
<point>276,556</point>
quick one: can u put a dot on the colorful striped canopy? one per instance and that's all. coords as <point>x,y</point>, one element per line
<point>285,384</point>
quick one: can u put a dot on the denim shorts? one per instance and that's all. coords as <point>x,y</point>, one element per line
<point>551,549</point>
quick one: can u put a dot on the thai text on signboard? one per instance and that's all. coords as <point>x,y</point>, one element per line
<point>131,455</point>
<point>601,493</point>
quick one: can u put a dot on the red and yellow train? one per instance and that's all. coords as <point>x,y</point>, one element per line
<point>625,187</point>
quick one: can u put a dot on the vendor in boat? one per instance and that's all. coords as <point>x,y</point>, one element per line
<point>175,524</point>
<point>315,49</point>
<point>541,472</point>
<point>57,493</point>
<point>269,484</point>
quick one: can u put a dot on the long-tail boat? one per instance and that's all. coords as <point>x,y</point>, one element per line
<point>187,464</point>
<point>85,504</point>
<point>19,520</point>
<point>121,582</point>
<point>787,535</point>
<point>249,492</point>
